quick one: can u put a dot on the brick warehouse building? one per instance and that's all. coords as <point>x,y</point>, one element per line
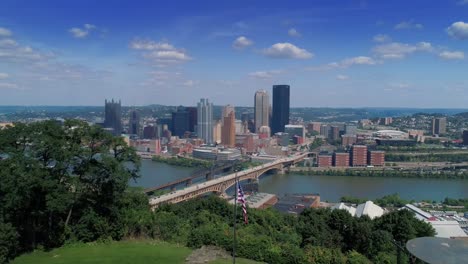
<point>376,158</point>
<point>341,159</point>
<point>324,160</point>
<point>358,156</point>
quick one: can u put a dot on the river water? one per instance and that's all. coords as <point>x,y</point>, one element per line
<point>330,188</point>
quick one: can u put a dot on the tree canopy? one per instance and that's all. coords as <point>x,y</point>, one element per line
<point>60,182</point>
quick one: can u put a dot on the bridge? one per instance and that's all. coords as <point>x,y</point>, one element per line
<point>221,184</point>
<point>206,173</point>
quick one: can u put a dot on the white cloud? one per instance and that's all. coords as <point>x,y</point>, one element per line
<point>396,50</point>
<point>163,53</point>
<point>452,55</point>
<point>264,74</point>
<point>189,83</point>
<point>408,25</point>
<point>78,32</point>
<point>24,53</point>
<point>293,32</point>
<point>82,32</point>
<point>3,75</point>
<point>4,32</point>
<point>381,38</point>
<point>462,2</point>
<point>150,45</point>
<point>287,51</point>
<point>360,60</point>
<point>241,43</point>
<point>8,43</point>
<point>8,86</point>
<point>168,55</point>
<point>458,30</point>
<point>342,77</point>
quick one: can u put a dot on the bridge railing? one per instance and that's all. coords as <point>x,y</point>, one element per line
<point>170,196</point>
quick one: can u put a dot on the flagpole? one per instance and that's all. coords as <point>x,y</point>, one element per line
<point>235,217</point>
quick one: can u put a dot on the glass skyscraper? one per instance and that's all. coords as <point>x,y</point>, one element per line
<point>280,116</point>
<point>262,109</point>
<point>113,117</point>
<point>205,120</point>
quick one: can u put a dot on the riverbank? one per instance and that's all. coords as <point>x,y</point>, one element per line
<point>382,172</point>
<point>183,162</point>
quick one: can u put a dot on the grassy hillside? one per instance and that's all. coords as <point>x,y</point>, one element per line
<point>131,252</point>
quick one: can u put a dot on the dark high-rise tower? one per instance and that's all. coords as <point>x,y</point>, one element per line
<point>280,116</point>
<point>192,118</point>
<point>180,122</point>
<point>134,123</point>
<point>113,117</point>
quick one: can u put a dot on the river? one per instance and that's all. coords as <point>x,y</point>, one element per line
<point>330,188</point>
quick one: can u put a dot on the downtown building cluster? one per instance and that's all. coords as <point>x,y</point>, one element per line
<point>195,130</point>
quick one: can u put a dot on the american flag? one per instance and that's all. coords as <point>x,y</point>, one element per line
<point>241,199</point>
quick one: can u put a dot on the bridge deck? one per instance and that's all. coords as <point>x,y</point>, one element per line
<point>196,174</point>
<point>170,196</point>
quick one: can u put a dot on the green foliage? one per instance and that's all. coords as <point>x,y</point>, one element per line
<point>455,174</point>
<point>321,255</point>
<point>433,157</point>
<point>8,242</point>
<point>63,182</point>
<point>403,226</point>
<point>354,257</point>
<point>183,162</point>
<point>316,143</point>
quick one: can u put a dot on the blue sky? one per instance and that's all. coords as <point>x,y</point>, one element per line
<point>333,53</point>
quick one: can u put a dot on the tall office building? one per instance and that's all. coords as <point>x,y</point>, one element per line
<point>113,117</point>
<point>180,122</point>
<point>192,118</point>
<point>465,137</point>
<point>280,116</point>
<point>134,123</point>
<point>261,109</point>
<point>439,126</point>
<point>205,120</point>
<point>228,134</point>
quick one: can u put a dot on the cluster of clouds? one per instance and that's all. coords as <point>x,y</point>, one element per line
<point>287,51</point>
<point>33,65</point>
<point>161,53</point>
<point>408,25</point>
<point>397,50</point>
<point>84,31</point>
<point>458,30</point>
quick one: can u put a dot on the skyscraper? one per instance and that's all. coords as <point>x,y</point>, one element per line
<point>113,117</point>
<point>192,118</point>
<point>280,108</point>
<point>205,120</point>
<point>180,122</point>
<point>439,126</point>
<point>262,109</point>
<point>134,123</point>
<point>228,134</point>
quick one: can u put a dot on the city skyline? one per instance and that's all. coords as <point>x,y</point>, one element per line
<point>333,53</point>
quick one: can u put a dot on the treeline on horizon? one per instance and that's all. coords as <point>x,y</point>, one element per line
<point>63,184</point>
<point>445,174</point>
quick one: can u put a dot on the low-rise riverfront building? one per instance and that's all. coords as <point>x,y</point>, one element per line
<point>214,153</point>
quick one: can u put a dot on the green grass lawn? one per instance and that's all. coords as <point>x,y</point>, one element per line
<point>123,252</point>
<point>115,252</point>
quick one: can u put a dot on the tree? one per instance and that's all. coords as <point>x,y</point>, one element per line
<point>8,242</point>
<point>61,182</point>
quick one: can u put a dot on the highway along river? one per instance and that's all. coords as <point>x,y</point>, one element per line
<point>330,188</point>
